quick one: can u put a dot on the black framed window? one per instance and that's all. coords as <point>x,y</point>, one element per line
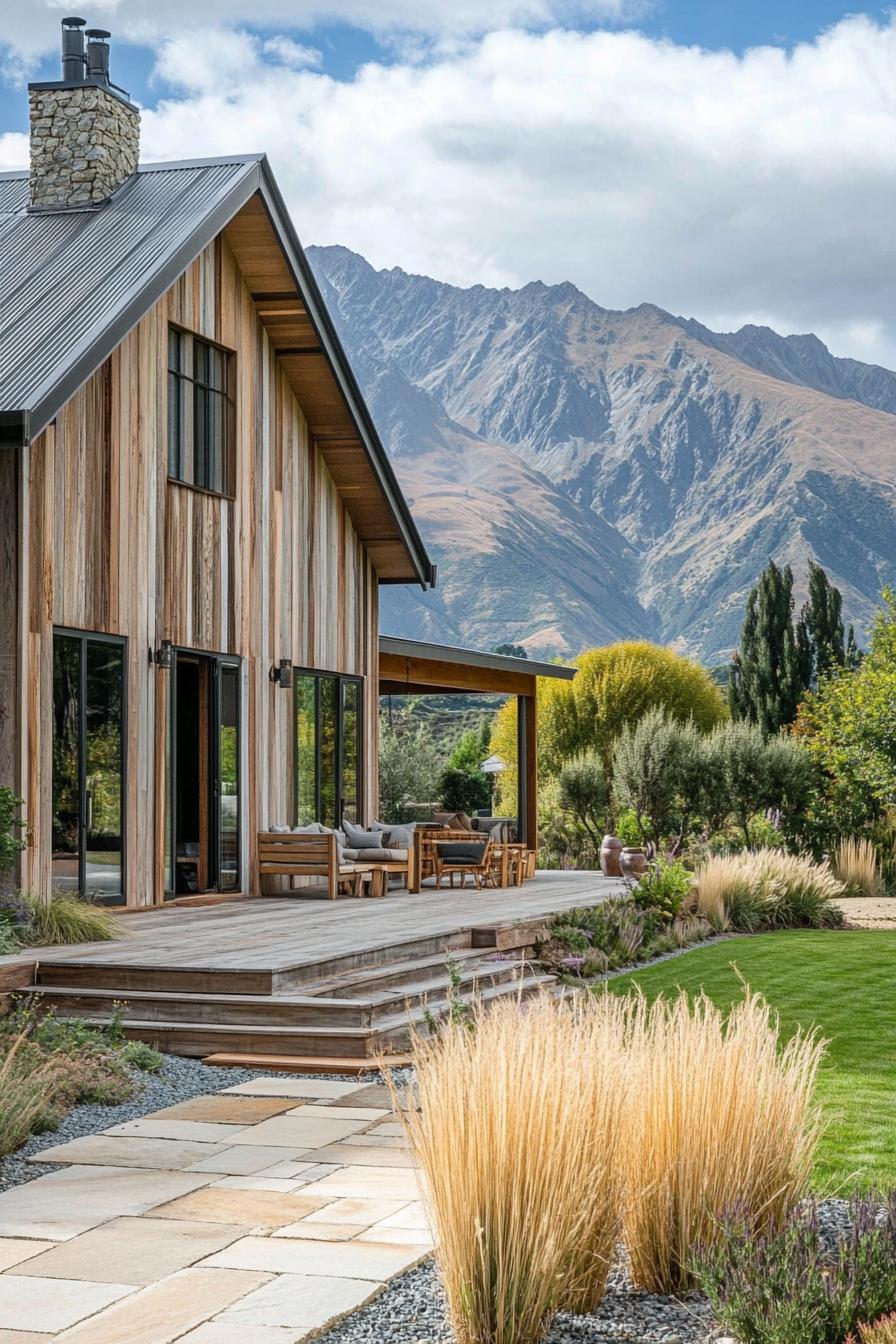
<point>88,764</point>
<point>329,748</point>
<point>200,412</point>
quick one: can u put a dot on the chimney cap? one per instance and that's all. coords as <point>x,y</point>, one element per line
<point>97,32</point>
<point>73,23</point>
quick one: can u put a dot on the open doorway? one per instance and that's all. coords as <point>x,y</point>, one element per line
<point>204,775</point>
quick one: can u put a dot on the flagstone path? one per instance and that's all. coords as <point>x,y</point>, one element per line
<point>256,1215</point>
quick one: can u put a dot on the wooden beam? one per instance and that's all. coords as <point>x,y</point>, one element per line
<point>433,675</point>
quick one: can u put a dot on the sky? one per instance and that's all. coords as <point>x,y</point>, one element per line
<point>733,162</point>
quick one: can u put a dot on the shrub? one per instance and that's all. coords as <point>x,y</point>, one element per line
<point>11,828</point>
<point>463,790</point>
<point>645,772</point>
<point>516,1133</point>
<point>856,865</point>
<point>409,765</point>
<point>785,1285</point>
<point>67,918</point>
<point>665,887</point>
<point>768,889</point>
<point>584,792</point>
<point>718,1114</point>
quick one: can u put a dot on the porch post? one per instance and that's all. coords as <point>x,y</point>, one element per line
<point>527,770</point>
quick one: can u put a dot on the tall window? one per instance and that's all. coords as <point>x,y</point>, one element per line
<point>88,764</point>
<point>200,412</point>
<point>329,755</point>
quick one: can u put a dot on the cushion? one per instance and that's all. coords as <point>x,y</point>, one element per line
<point>454,821</point>
<point>279,830</point>
<point>313,828</point>
<point>340,841</point>
<point>459,852</point>
<point>400,837</point>
<point>374,855</point>
<point>358,838</point>
<point>486,824</point>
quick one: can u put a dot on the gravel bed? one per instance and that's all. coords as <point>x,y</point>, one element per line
<point>179,1079</point>
<point>412,1311</point>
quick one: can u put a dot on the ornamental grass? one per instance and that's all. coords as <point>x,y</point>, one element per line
<point>718,1116</point>
<point>768,889</point>
<point>882,1331</point>
<point>518,1135</point>
<point>856,865</point>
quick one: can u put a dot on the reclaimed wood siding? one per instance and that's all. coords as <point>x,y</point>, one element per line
<point>115,547</point>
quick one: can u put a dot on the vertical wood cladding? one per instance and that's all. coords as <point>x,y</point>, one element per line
<point>114,546</point>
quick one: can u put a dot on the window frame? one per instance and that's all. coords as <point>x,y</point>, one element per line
<point>187,383</point>
<point>340,679</point>
<point>120,642</point>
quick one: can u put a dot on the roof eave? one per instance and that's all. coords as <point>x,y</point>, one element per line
<point>499,662</point>
<point>424,569</point>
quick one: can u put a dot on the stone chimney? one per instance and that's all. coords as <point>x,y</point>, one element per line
<point>85,132</point>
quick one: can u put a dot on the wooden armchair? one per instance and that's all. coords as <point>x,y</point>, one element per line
<point>463,856</point>
<point>287,854</point>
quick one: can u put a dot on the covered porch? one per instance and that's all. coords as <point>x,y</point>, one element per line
<point>413,667</point>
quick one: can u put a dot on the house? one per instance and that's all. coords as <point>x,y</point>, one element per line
<point>196,509</point>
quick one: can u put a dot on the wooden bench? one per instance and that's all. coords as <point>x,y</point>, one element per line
<point>286,854</point>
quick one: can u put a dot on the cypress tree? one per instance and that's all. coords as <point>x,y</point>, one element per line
<point>823,615</point>
<point>768,686</point>
<point>854,654</point>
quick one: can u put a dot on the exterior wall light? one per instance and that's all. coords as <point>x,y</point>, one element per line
<point>163,656</point>
<point>282,674</point>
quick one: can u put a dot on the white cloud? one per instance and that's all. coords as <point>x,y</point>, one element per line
<point>31,27</point>
<point>720,186</point>
<point>734,189</point>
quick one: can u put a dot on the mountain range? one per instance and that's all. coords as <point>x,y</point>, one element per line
<point>582,475</point>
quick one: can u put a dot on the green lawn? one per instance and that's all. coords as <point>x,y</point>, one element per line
<point>842,982</point>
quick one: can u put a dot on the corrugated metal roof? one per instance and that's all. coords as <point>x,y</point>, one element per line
<point>74,282</point>
<point>69,278</point>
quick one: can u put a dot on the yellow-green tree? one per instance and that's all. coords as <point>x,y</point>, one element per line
<point>614,686</point>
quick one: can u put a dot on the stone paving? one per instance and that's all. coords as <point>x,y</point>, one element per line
<point>257,1215</point>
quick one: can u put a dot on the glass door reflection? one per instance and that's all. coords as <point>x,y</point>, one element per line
<point>88,765</point>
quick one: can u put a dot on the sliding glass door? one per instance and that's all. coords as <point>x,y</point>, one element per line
<point>204,805</point>
<point>88,764</point>
<point>328,728</point>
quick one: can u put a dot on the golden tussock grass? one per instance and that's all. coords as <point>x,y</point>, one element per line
<point>880,1332</point>
<point>719,1116</point>
<point>767,889</point>
<point>26,1092</point>
<point>546,1128</point>
<point>856,864</point>
<point>518,1137</point>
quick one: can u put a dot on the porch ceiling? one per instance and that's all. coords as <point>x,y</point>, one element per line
<point>411,667</point>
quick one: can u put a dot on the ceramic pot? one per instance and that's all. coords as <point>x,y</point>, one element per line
<point>610,849</point>
<point>632,861</point>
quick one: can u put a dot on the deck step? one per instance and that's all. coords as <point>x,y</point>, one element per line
<point>395,973</point>
<point>390,1034</point>
<point>287,1010</point>
<point>127,977</point>
<point>352,1068</point>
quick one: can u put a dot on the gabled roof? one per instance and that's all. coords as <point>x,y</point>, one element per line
<point>74,282</point>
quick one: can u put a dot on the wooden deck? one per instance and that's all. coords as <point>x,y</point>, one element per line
<point>311,979</point>
<point>280,933</point>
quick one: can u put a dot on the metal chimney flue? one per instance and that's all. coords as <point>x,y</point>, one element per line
<point>98,55</point>
<point>73,58</point>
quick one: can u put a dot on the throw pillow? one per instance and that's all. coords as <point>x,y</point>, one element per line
<point>358,838</point>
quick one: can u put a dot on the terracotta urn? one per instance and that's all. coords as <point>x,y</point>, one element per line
<point>632,861</point>
<point>610,849</point>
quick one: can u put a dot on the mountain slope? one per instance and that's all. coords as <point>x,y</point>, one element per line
<point>662,464</point>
